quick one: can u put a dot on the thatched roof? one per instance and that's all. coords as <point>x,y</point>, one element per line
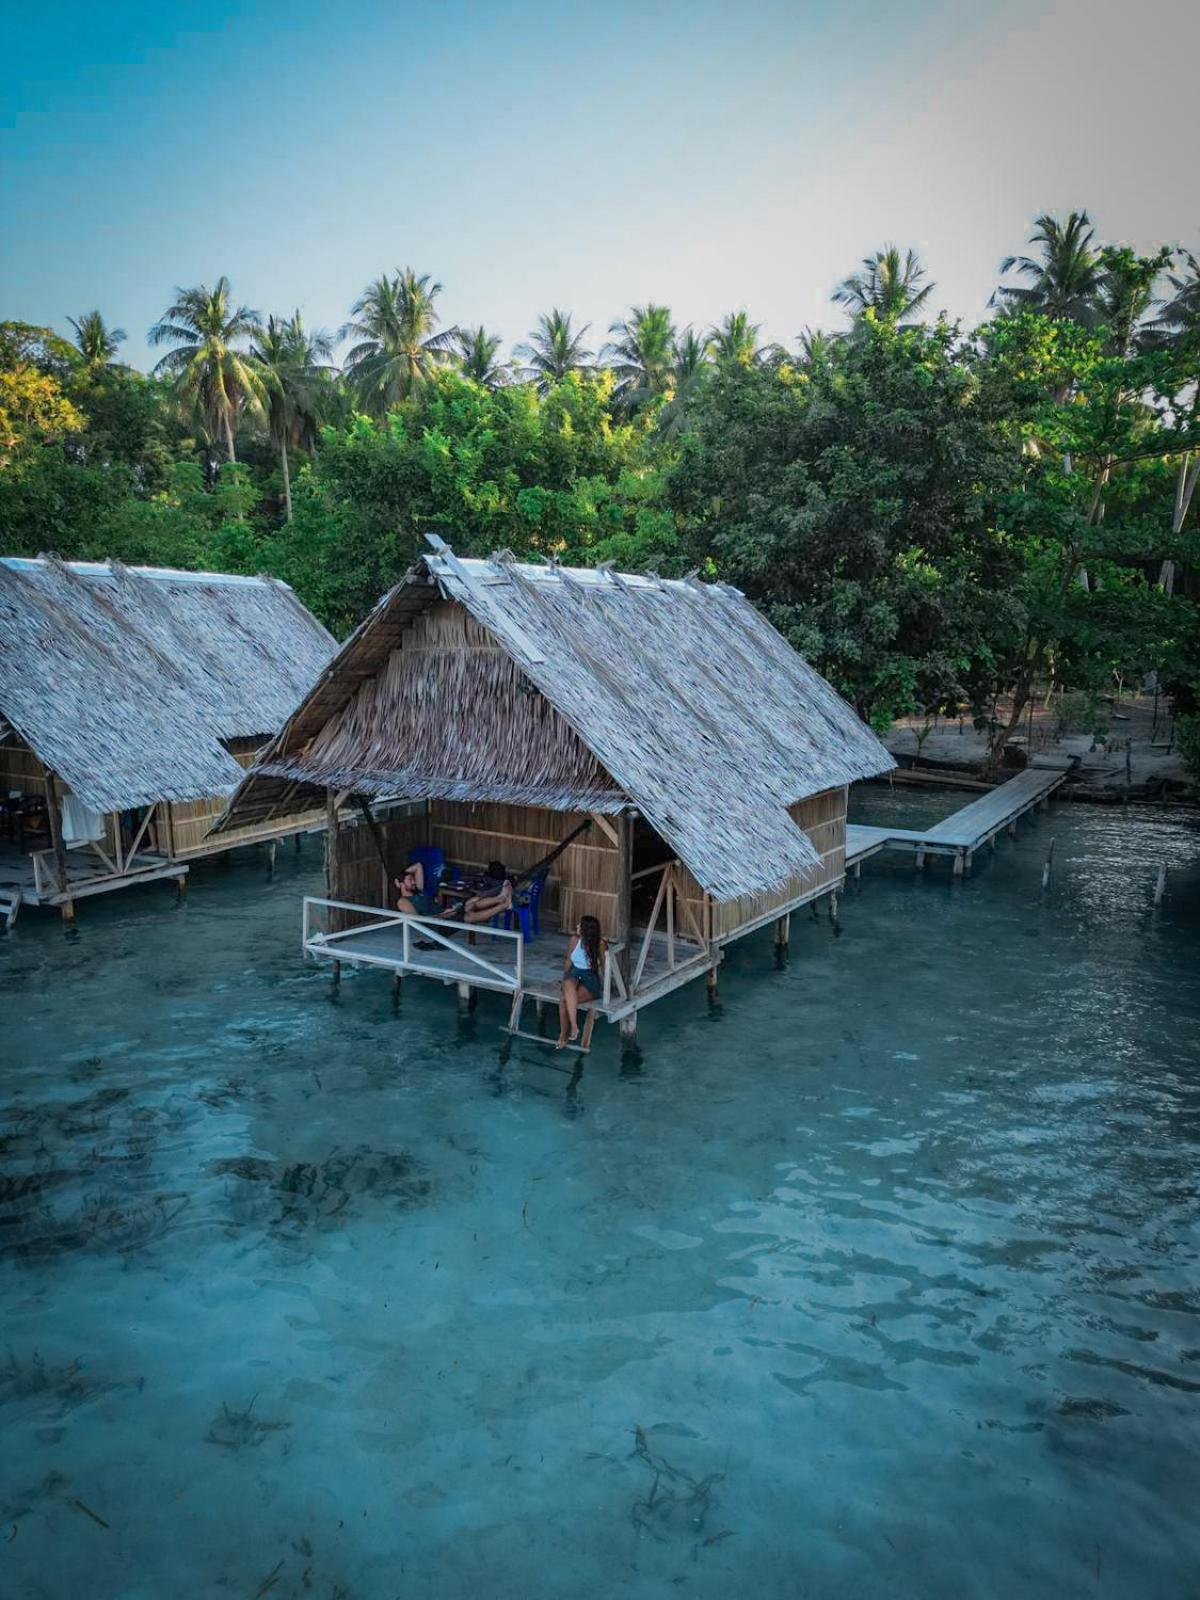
<point>581,690</point>
<point>126,680</point>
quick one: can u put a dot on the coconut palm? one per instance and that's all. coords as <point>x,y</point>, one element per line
<point>477,357</point>
<point>1065,280</point>
<point>1178,316</point>
<point>213,373</point>
<point>294,366</point>
<point>734,340</point>
<point>642,356</point>
<point>554,348</point>
<point>397,349</point>
<point>890,287</point>
<point>97,342</point>
<point>691,368</point>
<point>1126,293</point>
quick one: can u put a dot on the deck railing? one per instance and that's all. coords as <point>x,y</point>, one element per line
<point>436,930</point>
<point>666,903</point>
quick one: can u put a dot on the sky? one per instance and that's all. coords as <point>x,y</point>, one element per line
<point>714,156</point>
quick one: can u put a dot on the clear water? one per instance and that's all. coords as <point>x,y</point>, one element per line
<point>880,1278</point>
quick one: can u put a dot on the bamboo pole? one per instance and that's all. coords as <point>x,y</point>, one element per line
<point>623,914</point>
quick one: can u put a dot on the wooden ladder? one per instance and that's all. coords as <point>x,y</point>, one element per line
<point>514,1030</point>
<point>10,904</point>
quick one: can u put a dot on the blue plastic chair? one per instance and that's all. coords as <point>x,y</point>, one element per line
<point>433,860</point>
<point>526,909</point>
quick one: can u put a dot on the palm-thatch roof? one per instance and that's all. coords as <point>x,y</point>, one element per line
<point>126,681</point>
<point>579,690</point>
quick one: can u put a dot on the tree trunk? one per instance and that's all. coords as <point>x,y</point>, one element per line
<point>287,479</point>
<point>1022,692</point>
<point>228,421</point>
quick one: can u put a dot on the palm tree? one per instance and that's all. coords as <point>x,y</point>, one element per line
<point>397,349</point>
<point>1065,280</point>
<point>642,355</point>
<point>554,349</point>
<point>734,340</point>
<point>889,287</point>
<point>97,342</point>
<point>211,371</point>
<point>1179,317</point>
<point>1126,293</point>
<point>691,368</point>
<point>477,356</point>
<point>293,365</point>
<point>1178,325</point>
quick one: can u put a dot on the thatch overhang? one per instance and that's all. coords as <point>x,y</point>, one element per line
<point>127,681</point>
<point>672,696</point>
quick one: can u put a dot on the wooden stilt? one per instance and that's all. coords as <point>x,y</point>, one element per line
<point>181,887</point>
<point>920,861</point>
<point>54,817</point>
<point>783,930</point>
<point>336,974</point>
<point>623,911</point>
<point>627,1027</point>
<point>1160,884</point>
<point>296,842</point>
<point>466,999</point>
<point>1049,863</point>
<point>397,985</point>
<point>833,907</point>
<point>271,856</point>
<point>959,863</point>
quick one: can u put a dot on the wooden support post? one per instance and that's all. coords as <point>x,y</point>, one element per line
<point>627,1027</point>
<point>1049,863</point>
<point>1160,883</point>
<point>54,817</point>
<point>833,907</point>
<point>331,842</point>
<point>296,842</point>
<point>711,980</point>
<point>920,861</point>
<point>858,872</point>
<point>783,930</point>
<point>397,985</point>
<point>1012,829</point>
<point>271,857</point>
<point>958,864</point>
<point>1044,803</point>
<point>336,974</point>
<point>466,998</point>
<point>181,886</point>
<point>623,914</point>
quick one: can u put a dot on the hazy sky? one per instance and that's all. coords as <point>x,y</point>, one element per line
<point>713,156</point>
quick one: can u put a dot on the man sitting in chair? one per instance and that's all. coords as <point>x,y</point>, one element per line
<point>496,897</point>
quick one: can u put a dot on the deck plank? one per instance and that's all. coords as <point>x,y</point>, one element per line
<point>965,830</point>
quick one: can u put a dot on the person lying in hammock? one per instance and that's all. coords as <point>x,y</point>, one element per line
<point>495,897</point>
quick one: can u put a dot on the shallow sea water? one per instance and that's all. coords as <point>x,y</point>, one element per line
<point>877,1278</point>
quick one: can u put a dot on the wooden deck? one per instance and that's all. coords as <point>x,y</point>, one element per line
<point>964,831</point>
<point>21,885</point>
<point>491,962</point>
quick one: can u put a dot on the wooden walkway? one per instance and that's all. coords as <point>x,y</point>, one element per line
<point>963,832</point>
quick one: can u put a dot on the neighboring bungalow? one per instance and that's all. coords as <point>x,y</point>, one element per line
<point>652,750</point>
<point>131,701</point>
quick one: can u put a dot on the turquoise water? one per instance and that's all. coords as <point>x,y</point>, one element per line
<point>877,1278</point>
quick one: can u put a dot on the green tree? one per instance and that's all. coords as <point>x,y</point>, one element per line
<point>98,343</point>
<point>398,347</point>
<point>734,339</point>
<point>641,357</point>
<point>477,350</point>
<point>554,349</point>
<point>215,376</point>
<point>292,364</point>
<point>890,287</point>
<point>691,367</point>
<point>1065,280</point>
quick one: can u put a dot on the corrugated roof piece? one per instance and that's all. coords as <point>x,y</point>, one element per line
<point>125,680</point>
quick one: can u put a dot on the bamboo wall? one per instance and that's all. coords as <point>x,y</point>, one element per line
<point>583,881</point>
<point>182,828</point>
<point>20,769</point>
<point>823,818</point>
<point>359,874</point>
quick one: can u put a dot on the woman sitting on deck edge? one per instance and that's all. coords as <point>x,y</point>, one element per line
<point>583,980</point>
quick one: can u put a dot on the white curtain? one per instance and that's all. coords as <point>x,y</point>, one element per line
<point>80,824</point>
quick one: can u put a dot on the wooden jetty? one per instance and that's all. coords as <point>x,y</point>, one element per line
<point>963,832</point>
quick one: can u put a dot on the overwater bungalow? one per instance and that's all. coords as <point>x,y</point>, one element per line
<point>131,701</point>
<point>648,751</point>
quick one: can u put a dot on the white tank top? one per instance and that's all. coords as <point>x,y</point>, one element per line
<point>579,958</point>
